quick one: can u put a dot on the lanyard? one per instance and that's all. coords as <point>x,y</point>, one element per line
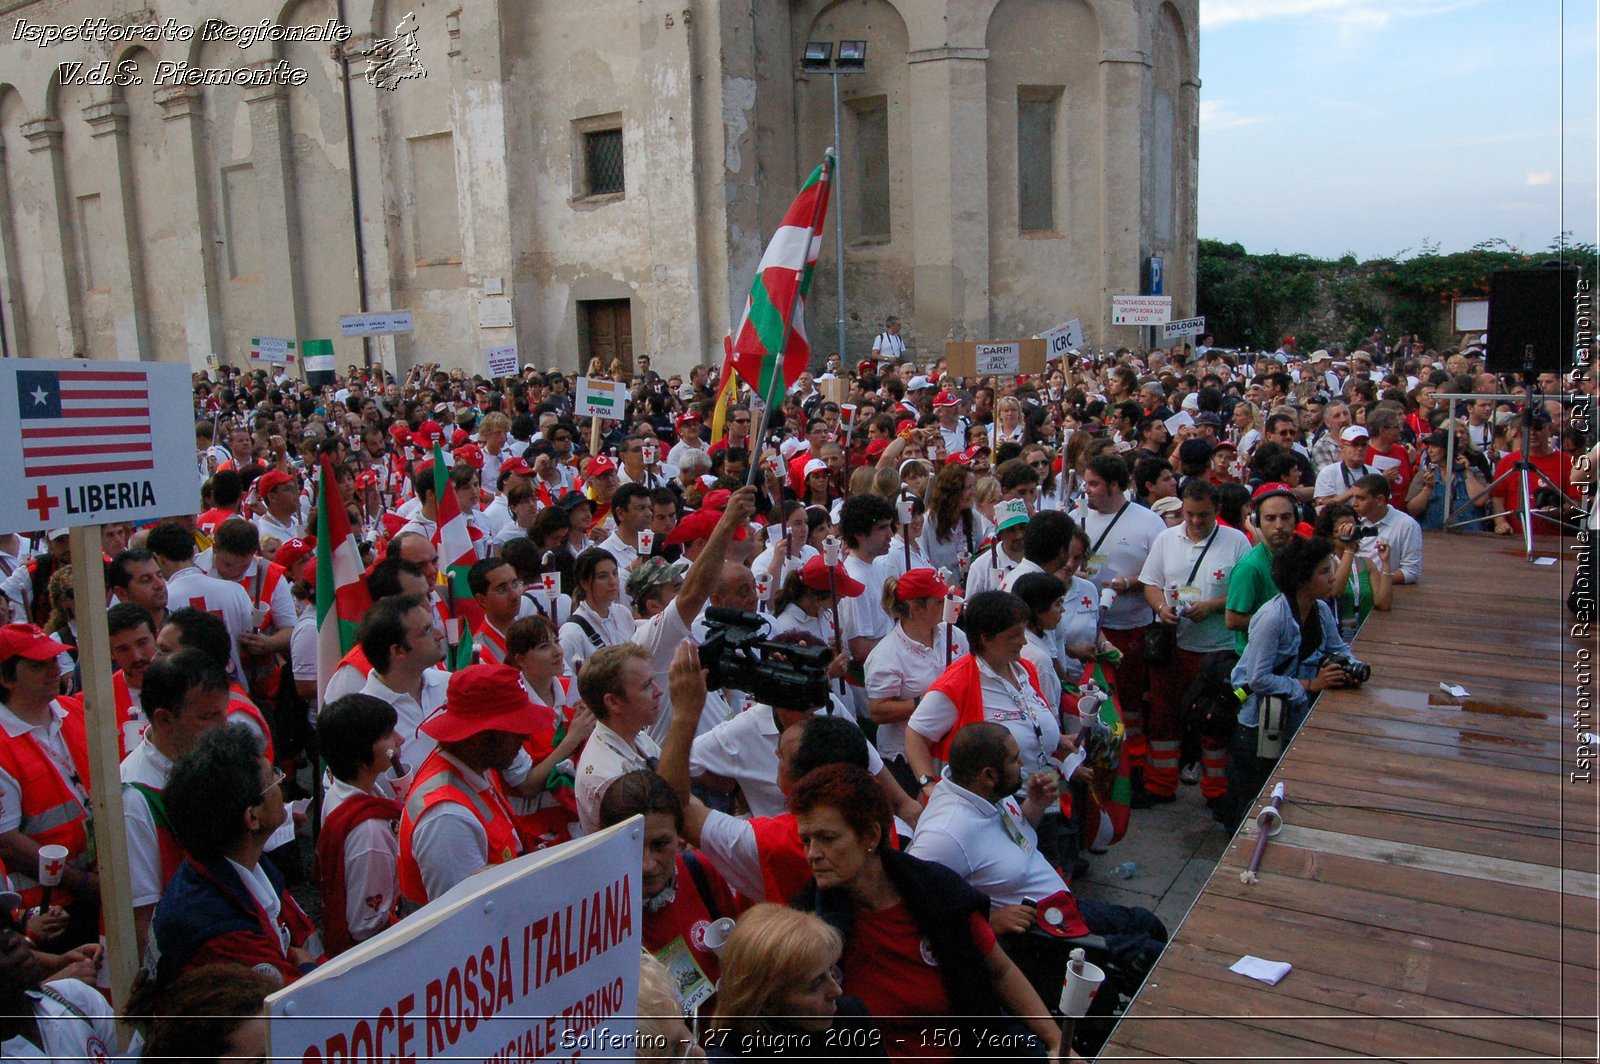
<point>1203,551</point>
<point>1107,530</point>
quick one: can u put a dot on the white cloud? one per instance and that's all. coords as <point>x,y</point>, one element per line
<point>1348,14</point>
<point>1215,116</point>
<point>1540,177</point>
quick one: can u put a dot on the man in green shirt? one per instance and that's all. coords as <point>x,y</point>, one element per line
<point>1250,586</point>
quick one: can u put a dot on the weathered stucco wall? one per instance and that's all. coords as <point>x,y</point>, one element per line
<point>173,221</point>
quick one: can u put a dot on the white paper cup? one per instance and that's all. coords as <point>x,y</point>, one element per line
<point>552,583</point>
<point>717,933</point>
<point>905,506</point>
<point>649,456</point>
<point>52,862</point>
<point>647,542</point>
<point>259,614</point>
<point>1079,990</point>
<point>763,587</point>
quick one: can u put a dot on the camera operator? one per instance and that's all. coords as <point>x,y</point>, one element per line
<point>1394,526</point>
<point>1294,652</point>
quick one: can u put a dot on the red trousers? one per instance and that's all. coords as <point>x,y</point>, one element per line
<point>1131,690</point>
<point>1165,727</point>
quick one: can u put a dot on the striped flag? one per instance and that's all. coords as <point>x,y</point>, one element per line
<point>453,538</point>
<point>770,349</point>
<point>77,421</point>
<point>342,597</point>
<point>727,388</point>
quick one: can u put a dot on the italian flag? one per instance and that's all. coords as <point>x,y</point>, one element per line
<point>342,597</point>
<point>769,348</point>
<point>453,539</point>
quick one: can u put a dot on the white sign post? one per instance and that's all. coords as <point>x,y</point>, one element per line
<point>602,399</point>
<point>1172,330</point>
<point>502,361</point>
<point>1068,336</point>
<point>1141,310</point>
<point>534,959</point>
<point>998,358</point>
<point>377,323</point>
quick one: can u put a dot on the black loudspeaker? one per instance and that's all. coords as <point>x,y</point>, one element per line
<point>1537,308</point>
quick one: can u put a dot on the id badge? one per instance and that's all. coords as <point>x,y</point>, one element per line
<point>694,989</point>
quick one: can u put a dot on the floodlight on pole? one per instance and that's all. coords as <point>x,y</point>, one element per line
<point>817,58</point>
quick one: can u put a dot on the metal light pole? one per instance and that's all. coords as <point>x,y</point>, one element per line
<point>818,59</point>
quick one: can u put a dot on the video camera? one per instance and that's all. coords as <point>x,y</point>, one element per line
<point>778,674</point>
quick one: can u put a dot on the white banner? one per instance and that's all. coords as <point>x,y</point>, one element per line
<point>502,361</point>
<point>375,324</point>
<point>1064,337</point>
<point>84,445</point>
<point>1141,310</point>
<point>602,399</point>
<point>1184,327</point>
<point>538,958</point>
<point>998,358</point>
<point>277,350</point>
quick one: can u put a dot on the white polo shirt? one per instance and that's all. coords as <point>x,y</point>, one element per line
<point>448,842</point>
<point>1122,553</point>
<point>992,847</point>
<point>614,629</point>
<point>989,571</point>
<point>744,748</point>
<point>1335,477</point>
<point>863,616</point>
<point>1174,555</point>
<point>606,756</point>
<point>66,1035</point>
<point>148,766</point>
<point>208,594</point>
<point>901,667</point>
<point>416,745</point>
<point>1080,621</point>
<point>794,619</point>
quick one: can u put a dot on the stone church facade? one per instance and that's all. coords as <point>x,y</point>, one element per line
<point>579,178</point>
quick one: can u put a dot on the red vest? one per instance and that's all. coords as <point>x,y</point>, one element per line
<point>437,781</point>
<point>353,811</point>
<point>51,811</point>
<point>551,822</point>
<point>239,703</point>
<point>489,643</point>
<point>784,868</point>
<point>961,685</point>
<point>356,659</point>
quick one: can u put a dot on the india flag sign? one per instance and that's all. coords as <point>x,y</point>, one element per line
<point>770,349</point>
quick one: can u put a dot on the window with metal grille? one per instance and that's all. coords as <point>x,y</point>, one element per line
<point>602,160</point>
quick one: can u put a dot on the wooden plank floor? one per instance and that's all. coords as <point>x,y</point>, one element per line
<point>1435,885</point>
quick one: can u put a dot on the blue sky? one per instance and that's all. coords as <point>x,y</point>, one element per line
<point>1379,126</point>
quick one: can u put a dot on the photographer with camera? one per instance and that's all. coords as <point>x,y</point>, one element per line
<point>1293,653</point>
<point>1392,525</point>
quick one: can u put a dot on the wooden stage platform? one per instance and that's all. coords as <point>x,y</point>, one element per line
<point>1435,881</point>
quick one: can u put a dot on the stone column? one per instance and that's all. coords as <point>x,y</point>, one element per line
<point>1123,74</point>
<point>108,123</point>
<point>281,277</point>
<point>947,121</point>
<point>12,307</point>
<point>61,269</point>
<point>195,272</point>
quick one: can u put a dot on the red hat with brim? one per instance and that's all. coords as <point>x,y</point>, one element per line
<point>294,550</point>
<point>483,698</point>
<point>716,500</point>
<point>920,584</point>
<point>814,574</point>
<point>471,454</point>
<point>876,447</point>
<point>698,525</point>
<point>1271,488</point>
<point>517,465</point>
<point>426,433</point>
<point>28,641</point>
<point>271,481</point>
<point>946,399</point>
<point>399,433</point>
<point>598,467</point>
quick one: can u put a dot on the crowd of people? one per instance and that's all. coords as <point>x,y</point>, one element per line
<point>1034,606</point>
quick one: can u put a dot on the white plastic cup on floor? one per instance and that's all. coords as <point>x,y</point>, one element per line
<point>717,933</point>
<point>1079,990</point>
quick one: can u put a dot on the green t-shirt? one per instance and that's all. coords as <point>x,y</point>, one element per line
<point>1352,603</point>
<point>1250,587</point>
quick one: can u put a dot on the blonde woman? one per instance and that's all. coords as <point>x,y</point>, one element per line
<point>780,992</point>
<point>663,1035</point>
<point>1008,424</point>
<point>986,495</point>
<point>1246,429</point>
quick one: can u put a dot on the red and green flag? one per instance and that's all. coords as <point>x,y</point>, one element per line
<point>342,598</point>
<point>770,349</point>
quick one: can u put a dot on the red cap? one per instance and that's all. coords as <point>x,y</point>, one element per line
<point>471,454</point>
<point>1270,488</point>
<point>270,481</point>
<point>697,525</point>
<point>876,447</point>
<point>920,584</point>
<point>459,436</point>
<point>814,574</point>
<point>28,641</point>
<point>426,433</point>
<point>294,550</point>
<point>598,466</point>
<point>399,433</point>
<point>365,479</point>
<point>716,500</point>
<point>865,367</point>
<point>964,457</point>
<point>482,698</point>
<point>945,399</point>
<point>518,465</point>
<point>905,425</point>
<point>686,417</point>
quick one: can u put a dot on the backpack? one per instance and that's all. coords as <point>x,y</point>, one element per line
<point>1212,700</point>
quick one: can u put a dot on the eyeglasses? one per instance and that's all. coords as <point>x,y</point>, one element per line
<point>1043,463</point>
<point>278,776</point>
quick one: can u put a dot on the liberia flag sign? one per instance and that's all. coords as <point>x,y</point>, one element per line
<point>89,447</point>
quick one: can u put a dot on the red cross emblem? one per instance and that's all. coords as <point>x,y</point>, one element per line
<point>43,502</point>
<point>1218,575</point>
<point>1088,603</point>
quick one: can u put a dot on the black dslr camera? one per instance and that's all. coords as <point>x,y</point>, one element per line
<point>1356,671</point>
<point>778,674</point>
